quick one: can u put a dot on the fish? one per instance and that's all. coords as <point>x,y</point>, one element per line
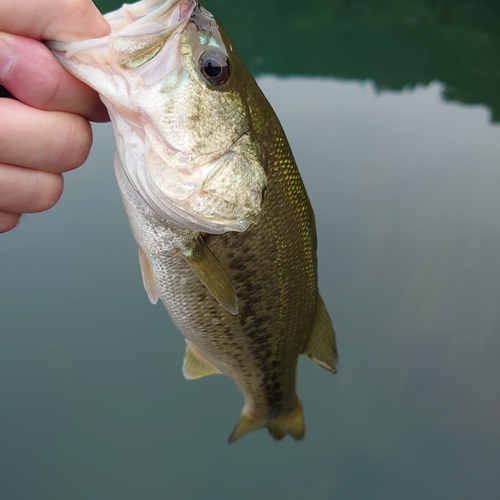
<point>224,227</point>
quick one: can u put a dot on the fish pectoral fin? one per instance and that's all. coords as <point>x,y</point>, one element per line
<point>196,365</point>
<point>147,277</point>
<point>289,423</point>
<point>322,348</point>
<point>209,270</point>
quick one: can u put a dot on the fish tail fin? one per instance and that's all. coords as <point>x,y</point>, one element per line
<point>289,423</point>
<point>246,424</point>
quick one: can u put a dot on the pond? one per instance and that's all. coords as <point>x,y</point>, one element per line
<point>392,111</point>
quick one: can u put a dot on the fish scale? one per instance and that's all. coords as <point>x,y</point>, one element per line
<point>239,281</point>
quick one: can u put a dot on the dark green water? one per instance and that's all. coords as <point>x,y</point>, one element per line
<point>404,178</point>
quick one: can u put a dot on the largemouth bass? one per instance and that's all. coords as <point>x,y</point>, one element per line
<point>224,227</point>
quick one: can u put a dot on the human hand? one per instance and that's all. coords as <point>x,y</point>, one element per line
<point>45,130</point>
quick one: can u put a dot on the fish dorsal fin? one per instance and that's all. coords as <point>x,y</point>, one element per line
<point>195,365</point>
<point>209,270</point>
<point>148,278</point>
<point>322,348</point>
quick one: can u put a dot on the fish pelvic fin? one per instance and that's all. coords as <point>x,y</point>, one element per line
<point>289,423</point>
<point>210,272</point>
<point>147,277</point>
<point>322,347</point>
<point>195,365</point>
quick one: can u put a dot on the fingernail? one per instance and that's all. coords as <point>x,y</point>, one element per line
<point>7,57</point>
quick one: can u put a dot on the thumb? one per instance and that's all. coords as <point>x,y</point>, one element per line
<point>61,20</point>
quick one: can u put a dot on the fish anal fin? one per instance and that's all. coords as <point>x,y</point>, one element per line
<point>148,278</point>
<point>209,270</point>
<point>195,365</point>
<point>289,423</point>
<point>322,348</point>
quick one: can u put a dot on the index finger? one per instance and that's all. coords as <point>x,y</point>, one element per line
<point>30,72</point>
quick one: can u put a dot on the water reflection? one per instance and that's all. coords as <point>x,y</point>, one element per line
<point>395,44</point>
<point>405,193</point>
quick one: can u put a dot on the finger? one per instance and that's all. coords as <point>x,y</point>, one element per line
<point>62,20</point>
<point>8,221</point>
<point>45,140</point>
<point>24,190</point>
<point>30,72</point>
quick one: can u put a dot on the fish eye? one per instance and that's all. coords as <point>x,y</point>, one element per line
<point>214,66</point>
